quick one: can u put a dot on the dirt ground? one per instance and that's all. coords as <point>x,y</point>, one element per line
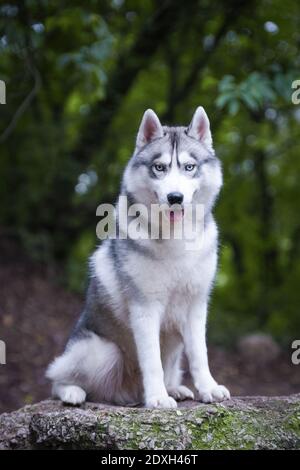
<point>36,315</point>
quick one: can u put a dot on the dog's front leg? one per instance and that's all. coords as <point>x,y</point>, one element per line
<point>145,324</point>
<point>196,351</point>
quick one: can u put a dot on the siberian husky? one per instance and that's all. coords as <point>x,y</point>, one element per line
<point>147,298</point>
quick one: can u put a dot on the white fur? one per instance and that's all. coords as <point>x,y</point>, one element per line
<point>176,305</point>
<point>94,365</point>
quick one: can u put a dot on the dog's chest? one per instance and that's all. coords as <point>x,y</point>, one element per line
<point>175,276</point>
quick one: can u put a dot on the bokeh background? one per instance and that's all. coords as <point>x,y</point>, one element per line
<point>79,76</point>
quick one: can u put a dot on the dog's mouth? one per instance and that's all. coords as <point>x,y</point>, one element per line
<point>176,216</point>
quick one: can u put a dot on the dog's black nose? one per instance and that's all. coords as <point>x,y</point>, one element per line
<point>175,198</point>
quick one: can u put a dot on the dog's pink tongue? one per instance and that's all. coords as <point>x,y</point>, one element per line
<point>175,215</point>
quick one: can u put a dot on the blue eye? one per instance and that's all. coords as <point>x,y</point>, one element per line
<point>159,167</point>
<point>189,167</point>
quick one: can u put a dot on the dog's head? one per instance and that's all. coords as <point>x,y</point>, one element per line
<point>174,165</point>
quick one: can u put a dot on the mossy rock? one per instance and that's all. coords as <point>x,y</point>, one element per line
<point>240,423</point>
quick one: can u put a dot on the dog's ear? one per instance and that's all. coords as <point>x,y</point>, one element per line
<point>150,129</point>
<point>199,127</point>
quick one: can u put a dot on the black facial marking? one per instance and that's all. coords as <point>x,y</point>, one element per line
<point>209,160</point>
<point>174,141</point>
<point>139,161</point>
<point>194,157</point>
<point>173,138</point>
<point>155,156</point>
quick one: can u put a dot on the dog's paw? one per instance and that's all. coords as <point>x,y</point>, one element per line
<point>160,401</point>
<point>72,395</point>
<point>214,393</point>
<point>181,393</point>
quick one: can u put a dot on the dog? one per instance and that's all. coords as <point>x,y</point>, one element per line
<point>147,299</point>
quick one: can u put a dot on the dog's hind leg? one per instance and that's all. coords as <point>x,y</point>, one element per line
<point>90,367</point>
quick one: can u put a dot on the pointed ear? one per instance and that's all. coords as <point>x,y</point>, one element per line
<point>150,129</point>
<point>199,127</point>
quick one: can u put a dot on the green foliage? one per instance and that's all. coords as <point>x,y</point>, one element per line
<point>79,76</point>
<point>256,92</point>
